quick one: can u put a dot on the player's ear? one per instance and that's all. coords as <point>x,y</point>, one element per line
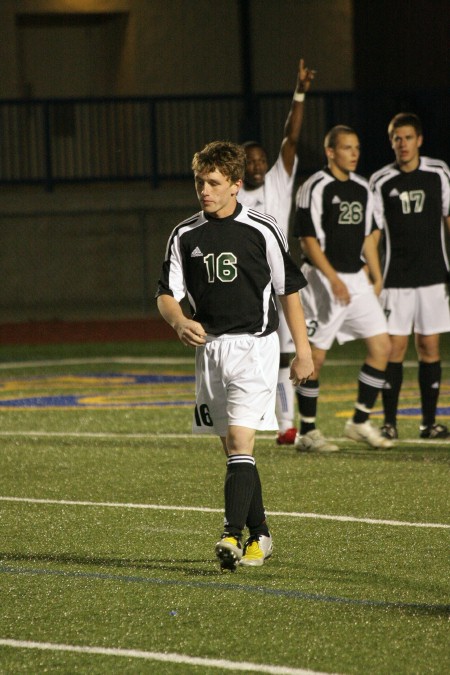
<point>236,187</point>
<point>420,141</point>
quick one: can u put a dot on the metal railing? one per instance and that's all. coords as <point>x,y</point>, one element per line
<point>49,141</point>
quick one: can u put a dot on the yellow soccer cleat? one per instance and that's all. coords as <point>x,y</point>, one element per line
<point>229,552</point>
<point>256,550</point>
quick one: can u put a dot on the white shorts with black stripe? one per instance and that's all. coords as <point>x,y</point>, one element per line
<point>328,320</point>
<point>236,380</point>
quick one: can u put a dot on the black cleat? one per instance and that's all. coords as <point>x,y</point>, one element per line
<point>389,431</point>
<point>433,431</point>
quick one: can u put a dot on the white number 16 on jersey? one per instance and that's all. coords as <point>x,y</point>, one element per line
<point>223,267</point>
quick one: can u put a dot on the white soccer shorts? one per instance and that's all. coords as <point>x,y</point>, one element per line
<point>328,320</point>
<point>236,381</point>
<point>423,310</point>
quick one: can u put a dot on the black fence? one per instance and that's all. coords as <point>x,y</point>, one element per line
<point>50,141</point>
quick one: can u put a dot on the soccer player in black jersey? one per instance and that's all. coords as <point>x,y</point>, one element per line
<point>230,261</point>
<point>334,221</point>
<point>412,208</point>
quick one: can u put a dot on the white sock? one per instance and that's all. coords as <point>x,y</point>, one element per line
<point>285,409</point>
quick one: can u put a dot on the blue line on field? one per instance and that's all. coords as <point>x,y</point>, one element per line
<point>278,592</point>
<point>86,402</point>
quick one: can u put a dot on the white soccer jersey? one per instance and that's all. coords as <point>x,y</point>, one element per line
<point>410,207</point>
<point>274,196</point>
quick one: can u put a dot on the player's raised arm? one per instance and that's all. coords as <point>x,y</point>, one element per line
<point>294,119</point>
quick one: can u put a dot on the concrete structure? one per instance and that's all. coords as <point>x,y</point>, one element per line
<point>94,251</point>
<point>51,48</point>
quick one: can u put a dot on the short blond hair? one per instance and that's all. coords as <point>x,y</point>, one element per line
<point>331,139</point>
<point>224,156</point>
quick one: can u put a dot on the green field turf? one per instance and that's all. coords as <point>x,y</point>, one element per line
<point>110,509</point>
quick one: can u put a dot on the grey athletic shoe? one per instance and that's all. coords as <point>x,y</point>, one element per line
<point>366,433</point>
<point>314,441</point>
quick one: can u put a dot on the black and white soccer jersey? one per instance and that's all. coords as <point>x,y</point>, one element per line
<point>229,269</point>
<point>339,214</point>
<point>410,208</point>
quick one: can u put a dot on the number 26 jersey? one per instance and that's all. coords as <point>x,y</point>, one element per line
<point>339,213</point>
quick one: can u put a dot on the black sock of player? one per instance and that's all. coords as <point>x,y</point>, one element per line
<point>307,398</point>
<point>370,381</point>
<point>429,384</point>
<point>391,392</point>
<point>239,488</point>
<point>256,519</point>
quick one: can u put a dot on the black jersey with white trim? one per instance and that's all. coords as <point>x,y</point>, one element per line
<point>339,214</point>
<point>230,269</point>
<point>410,207</point>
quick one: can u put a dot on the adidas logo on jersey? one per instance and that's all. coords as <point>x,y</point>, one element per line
<point>394,193</point>
<point>196,253</point>
<point>336,200</point>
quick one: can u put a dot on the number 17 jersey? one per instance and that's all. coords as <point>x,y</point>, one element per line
<point>410,207</point>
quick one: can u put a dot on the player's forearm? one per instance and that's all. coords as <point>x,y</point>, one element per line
<point>295,319</point>
<point>170,310</point>
<point>370,251</point>
<point>293,125</point>
<point>311,248</point>
<point>294,119</point>
<point>291,136</point>
<point>302,366</point>
<point>190,332</point>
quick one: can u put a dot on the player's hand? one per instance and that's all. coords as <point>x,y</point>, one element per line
<point>302,368</point>
<point>191,333</point>
<point>304,78</point>
<point>340,291</point>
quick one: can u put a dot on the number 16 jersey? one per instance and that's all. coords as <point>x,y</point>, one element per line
<point>229,269</point>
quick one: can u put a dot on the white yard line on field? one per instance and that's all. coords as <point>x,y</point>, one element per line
<point>154,436</point>
<point>206,509</point>
<point>154,360</point>
<point>159,656</point>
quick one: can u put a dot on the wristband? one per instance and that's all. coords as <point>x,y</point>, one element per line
<point>299,97</point>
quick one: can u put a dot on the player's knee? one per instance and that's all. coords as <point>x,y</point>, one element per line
<point>385,348</point>
<point>427,348</point>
